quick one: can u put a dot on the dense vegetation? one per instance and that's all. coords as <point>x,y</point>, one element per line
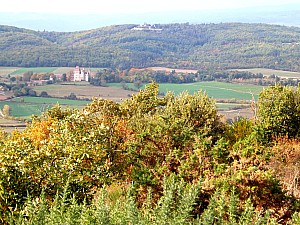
<point>154,160</point>
<point>199,46</point>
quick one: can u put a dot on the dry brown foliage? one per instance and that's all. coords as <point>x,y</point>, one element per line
<point>285,163</point>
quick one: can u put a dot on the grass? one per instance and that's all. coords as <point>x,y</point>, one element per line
<point>269,72</point>
<point>20,71</point>
<point>25,107</point>
<point>40,100</point>
<point>62,70</point>
<point>25,110</point>
<point>217,90</point>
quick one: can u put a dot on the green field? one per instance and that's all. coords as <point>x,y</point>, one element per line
<point>217,90</point>
<point>269,72</point>
<point>62,70</point>
<point>25,107</point>
<point>20,71</point>
<point>25,110</point>
<point>40,100</point>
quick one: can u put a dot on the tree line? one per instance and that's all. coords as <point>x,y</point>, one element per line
<point>144,76</point>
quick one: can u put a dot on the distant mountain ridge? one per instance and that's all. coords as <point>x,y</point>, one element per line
<point>181,45</point>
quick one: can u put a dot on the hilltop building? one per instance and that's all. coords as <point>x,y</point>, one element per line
<point>147,27</point>
<point>80,74</point>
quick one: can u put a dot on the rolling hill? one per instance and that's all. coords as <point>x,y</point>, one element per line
<point>193,46</point>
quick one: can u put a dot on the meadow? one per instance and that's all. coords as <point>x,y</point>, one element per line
<point>269,72</point>
<point>25,110</point>
<point>217,90</point>
<point>25,107</point>
<point>20,71</point>
<point>41,100</point>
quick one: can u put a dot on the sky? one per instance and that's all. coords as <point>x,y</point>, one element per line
<point>129,6</point>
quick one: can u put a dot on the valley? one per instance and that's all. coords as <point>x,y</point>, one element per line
<point>150,124</point>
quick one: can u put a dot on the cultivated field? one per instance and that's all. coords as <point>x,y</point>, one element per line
<point>62,70</point>
<point>25,110</point>
<point>25,107</point>
<point>20,71</point>
<point>53,101</point>
<point>4,71</point>
<point>217,90</point>
<point>85,91</point>
<point>269,72</point>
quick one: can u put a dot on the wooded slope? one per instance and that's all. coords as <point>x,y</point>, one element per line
<point>197,46</point>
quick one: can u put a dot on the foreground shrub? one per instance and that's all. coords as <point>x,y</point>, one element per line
<point>175,206</point>
<point>278,111</point>
<point>139,142</point>
<point>285,163</point>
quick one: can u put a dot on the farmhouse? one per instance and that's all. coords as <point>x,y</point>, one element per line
<point>80,74</point>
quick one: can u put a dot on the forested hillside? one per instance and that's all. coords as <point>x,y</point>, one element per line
<point>197,46</point>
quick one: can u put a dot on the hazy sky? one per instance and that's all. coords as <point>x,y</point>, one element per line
<point>128,6</point>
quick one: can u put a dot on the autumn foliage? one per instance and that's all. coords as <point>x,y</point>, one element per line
<point>137,144</point>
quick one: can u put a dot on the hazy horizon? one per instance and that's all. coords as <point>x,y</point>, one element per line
<point>75,16</point>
